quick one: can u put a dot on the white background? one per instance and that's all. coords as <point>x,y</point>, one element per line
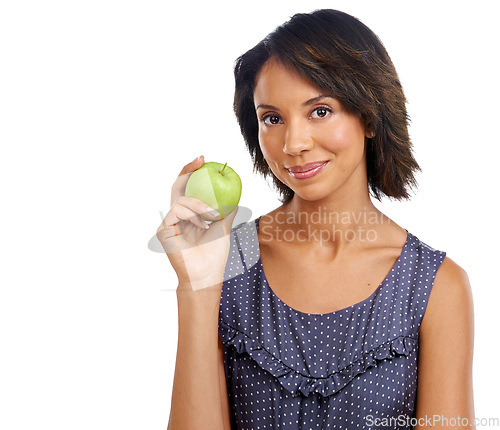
<point>103,102</point>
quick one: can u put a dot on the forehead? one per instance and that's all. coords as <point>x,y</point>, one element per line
<point>277,82</point>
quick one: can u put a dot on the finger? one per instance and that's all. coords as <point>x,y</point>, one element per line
<point>220,228</point>
<point>179,212</point>
<point>192,166</point>
<point>189,209</point>
<point>198,206</point>
<point>179,185</point>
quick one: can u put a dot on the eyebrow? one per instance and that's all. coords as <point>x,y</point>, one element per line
<point>316,99</point>
<point>306,103</point>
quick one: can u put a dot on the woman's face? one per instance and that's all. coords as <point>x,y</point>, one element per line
<point>298,125</point>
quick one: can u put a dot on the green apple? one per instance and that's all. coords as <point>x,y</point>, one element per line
<point>217,185</point>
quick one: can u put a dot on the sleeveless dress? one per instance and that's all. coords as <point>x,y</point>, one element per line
<point>354,368</point>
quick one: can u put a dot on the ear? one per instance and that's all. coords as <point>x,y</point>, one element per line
<point>368,130</point>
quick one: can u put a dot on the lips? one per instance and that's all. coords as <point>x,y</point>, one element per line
<point>306,167</point>
<point>308,170</point>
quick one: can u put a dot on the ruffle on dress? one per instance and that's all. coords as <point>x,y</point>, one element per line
<point>297,383</point>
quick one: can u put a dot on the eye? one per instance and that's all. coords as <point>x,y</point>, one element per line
<point>321,112</point>
<point>271,119</point>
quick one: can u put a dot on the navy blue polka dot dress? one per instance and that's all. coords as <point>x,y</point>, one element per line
<point>348,369</point>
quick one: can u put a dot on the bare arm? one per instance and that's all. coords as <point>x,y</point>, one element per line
<point>226,409</point>
<point>444,388</point>
<point>197,401</point>
<point>198,254</point>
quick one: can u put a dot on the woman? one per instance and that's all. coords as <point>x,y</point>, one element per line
<point>320,313</point>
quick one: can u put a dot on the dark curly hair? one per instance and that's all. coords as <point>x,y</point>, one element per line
<point>341,56</point>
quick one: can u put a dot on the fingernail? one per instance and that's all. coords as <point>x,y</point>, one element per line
<point>197,158</point>
<point>213,212</point>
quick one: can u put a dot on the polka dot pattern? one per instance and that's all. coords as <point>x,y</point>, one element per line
<point>293,370</point>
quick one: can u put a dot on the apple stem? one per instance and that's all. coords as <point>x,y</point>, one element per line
<point>222,171</point>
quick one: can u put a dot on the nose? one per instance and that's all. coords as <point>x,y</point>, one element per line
<point>297,140</point>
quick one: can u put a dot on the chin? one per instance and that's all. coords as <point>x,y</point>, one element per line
<point>311,195</point>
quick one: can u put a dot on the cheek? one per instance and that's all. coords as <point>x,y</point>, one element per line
<point>343,137</point>
<point>273,154</point>
<point>269,146</point>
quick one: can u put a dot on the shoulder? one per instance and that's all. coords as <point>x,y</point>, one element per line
<point>450,303</point>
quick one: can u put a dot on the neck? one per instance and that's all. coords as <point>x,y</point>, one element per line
<point>334,221</point>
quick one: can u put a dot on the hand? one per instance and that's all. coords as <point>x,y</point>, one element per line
<point>198,254</point>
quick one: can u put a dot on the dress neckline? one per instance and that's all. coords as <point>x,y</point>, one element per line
<point>355,305</point>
